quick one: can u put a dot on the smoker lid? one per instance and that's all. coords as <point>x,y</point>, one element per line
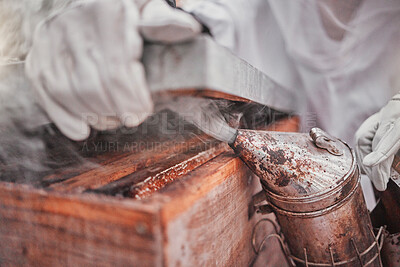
<point>295,166</point>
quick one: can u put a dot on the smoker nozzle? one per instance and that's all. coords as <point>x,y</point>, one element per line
<point>246,144</point>
<point>231,142</point>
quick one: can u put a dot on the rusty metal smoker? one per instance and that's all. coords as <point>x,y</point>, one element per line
<point>312,183</point>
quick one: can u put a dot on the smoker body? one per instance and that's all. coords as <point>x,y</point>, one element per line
<point>332,235</point>
<point>312,183</point>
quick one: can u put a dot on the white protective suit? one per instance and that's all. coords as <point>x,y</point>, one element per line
<point>18,20</point>
<point>336,55</point>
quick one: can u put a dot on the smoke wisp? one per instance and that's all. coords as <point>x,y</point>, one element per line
<point>203,113</point>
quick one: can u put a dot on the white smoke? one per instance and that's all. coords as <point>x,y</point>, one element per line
<point>18,20</point>
<point>29,145</point>
<point>203,112</point>
<point>19,149</point>
<point>22,147</point>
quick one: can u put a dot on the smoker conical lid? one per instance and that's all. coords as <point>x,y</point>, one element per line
<point>291,165</point>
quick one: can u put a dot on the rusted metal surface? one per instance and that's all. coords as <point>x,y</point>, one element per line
<point>391,250</point>
<point>332,231</point>
<point>315,193</point>
<point>323,140</point>
<point>298,175</point>
<point>387,212</point>
<point>290,163</point>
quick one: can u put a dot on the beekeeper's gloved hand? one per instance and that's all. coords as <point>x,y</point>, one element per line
<point>84,64</point>
<point>161,23</point>
<point>377,141</point>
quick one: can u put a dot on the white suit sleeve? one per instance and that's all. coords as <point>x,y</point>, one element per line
<point>18,20</point>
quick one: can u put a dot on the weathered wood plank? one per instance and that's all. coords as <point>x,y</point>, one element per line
<point>201,219</point>
<point>206,215</point>
<point>42,229</point>
<point>145,182</point>
<point>182,167</point>
<point>114,170</point>
<point>124,151</point>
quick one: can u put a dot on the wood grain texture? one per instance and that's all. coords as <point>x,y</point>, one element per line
<point>180,167</point>
<point>202,220</point>
<point>199,219</point>
<point>129,164</point>
<point>42,229</point>
<point>206,218</point>
<point>218,220</point>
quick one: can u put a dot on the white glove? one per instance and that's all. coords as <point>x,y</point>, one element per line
<point>84,64</point>
<point>162,23</point>
<point>377,141</point>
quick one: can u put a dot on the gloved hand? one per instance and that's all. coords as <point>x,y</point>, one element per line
<point>84,63</point>
<point>377,141</point>
<point>161,23</point>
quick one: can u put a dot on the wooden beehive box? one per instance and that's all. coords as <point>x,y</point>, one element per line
<point>181,200</point>
<point>144,196</point>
